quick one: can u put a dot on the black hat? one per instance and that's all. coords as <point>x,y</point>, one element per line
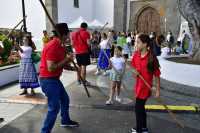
<point>62,28</point>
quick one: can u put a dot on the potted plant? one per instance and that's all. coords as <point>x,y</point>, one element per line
<point>8,57</point>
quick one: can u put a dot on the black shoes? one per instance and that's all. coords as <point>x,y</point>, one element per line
<point>144,130</point>
<point>24,92</point>
<point>85,82</point>
<point>70,124</point>
<point>33,93</point>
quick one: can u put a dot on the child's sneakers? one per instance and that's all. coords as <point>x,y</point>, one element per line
<point>97,72</point>
<point>133,130</point>
<point>104,73</point>
<point>109,102</point>
<point>118,99</point>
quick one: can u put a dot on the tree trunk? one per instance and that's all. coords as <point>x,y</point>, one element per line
<point>196,51</point>
<point>190,10</point>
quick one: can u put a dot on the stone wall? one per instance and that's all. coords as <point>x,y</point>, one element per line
<point>167,8</point>
<point>120,13</point>
<point>52,7</point>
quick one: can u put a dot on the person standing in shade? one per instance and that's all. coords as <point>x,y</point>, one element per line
<point>114,34</point>
<point>183,39</point>
<point>94,46</point>
<point>51,67</point>
<point>80,42</point>
<point>157,45</point>
<point>170,41</point>
<point>129,43</point>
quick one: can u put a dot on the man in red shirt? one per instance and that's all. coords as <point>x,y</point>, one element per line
<point>80,42</point>
<point>53,60</point>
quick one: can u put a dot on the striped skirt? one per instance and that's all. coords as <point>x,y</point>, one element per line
<point>27,74</point>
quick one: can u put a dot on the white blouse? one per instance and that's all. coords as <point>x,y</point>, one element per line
<point>27,51</point>
<point>105,44</point>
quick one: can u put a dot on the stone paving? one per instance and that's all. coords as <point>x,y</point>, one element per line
<point>25,115</point>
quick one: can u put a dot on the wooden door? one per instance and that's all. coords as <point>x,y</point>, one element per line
<point>148,21</point>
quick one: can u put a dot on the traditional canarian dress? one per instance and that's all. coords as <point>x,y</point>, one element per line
<point>103,61</point>
<point>27,71</point>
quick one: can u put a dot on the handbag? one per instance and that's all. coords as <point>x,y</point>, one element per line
<point>35,57</point>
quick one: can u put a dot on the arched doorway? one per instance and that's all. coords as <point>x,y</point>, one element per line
<point>148,21</point>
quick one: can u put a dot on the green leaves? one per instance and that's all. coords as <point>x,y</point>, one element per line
<point>7,46</point>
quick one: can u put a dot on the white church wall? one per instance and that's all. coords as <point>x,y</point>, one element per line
<point>68,13</point>
<point>11,13</point>
<point>104,11</point>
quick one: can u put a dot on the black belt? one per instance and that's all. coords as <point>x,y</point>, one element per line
<point>42,78</point>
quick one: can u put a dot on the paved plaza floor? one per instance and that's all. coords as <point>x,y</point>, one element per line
<point>26,114</point>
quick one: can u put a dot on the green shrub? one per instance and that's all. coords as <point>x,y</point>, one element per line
<point>7,44</point>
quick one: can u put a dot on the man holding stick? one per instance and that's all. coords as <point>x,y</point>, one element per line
<point>53,60</point>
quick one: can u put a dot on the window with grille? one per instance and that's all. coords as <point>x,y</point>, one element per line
<point>76,3</point>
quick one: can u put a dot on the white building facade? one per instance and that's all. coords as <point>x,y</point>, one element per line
<point>102,10</point>
<point>64,11</point>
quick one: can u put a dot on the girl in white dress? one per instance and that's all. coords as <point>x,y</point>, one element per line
<point>117,63</point>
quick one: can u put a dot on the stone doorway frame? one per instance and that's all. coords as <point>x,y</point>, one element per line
<point>137,15</point>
